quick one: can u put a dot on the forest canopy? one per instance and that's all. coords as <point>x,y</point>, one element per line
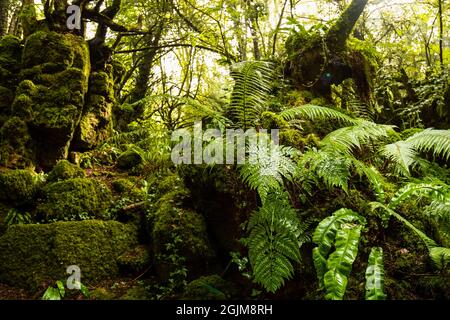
<point>224,149</point>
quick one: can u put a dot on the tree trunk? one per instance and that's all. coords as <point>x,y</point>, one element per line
<point>341,30</point>
<point>441,34</point>
<point>4,5</point>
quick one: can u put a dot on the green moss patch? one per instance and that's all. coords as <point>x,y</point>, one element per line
<point>65,170</point>
<point>209,288</point>
<point>18,187</point>
<point>35,255</point>
<point>74,199</point>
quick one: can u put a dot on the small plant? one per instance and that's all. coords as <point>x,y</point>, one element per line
<point>16,217</point>
<point>59,292</point>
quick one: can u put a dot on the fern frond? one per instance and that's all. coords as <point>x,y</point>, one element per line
<point>346,139</point>
<point>437,141</point>
<point>268,165</point>
<point>273,242</point>
<point>325,236</point>
<point>375,275</point>
<point>440,257</point>
<point>402,154</point>
<point>251,91</point>
<point>340,262</point>
<point>434,191</point>
<point>313,112</point>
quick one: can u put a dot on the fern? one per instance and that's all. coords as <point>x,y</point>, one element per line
<point>251,91</point>
<point>437,141</point>
<point>313,112</point>
<point>325,236</point>
<point>405,153</point>
<point>340,262</point>
<point>267,166</point>
<point>348,138</point>
<point>439,255</point>
<point>329,166</point>
<point>275,236</point>
<point>375,276</point>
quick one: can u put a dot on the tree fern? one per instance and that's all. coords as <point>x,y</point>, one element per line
<point>375,276</point>
<point>275,236</point>
<point>313,112</point>
<point>253,84</point>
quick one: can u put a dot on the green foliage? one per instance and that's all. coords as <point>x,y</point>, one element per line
<point>313,112</point>
<point>16,217</point>
<point>251,91</point>
<point>375,275</point>
<point>275,236</point>
<point>267,166</point>
<point>405,153</point>
<point>57,293</point>
<point>342,231</point>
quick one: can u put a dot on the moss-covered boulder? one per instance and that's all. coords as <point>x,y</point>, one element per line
<point>16,145</point>
<point>51,95</point>
<point>129,159</point>
<point>179,231</point>
<point>134,260</point>
<point>10,56</point>
<point>65,170</point>
<point>96,123</point>
<point>19,187</point>
<point>74,199</point>
<point>129,188</point>
<point>35,255</point>
<point>209,288</point>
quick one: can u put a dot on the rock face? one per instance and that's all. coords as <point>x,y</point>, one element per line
<point>34,256</point>
<point>50,101</point>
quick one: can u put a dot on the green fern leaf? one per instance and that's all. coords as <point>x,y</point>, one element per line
<point>375,276</point>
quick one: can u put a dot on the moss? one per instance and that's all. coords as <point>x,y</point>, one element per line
<point>136,293</point>
<point>18,187</point>
<point>74,199</point>
<point>50,97</point>
<point>184,230</point>
<point>134,260</point>
<point>102,294</point>
<point>65,170</point>
<point>129,189</point>
<point>33,255</point>
<point>65,50</point>
<point>270,120</point>
<point>128,160</point>
<point>209,288</point>
<point>6,99</point>
<point>15,144</point>
<point>294,138</point>
<point>10,54</point>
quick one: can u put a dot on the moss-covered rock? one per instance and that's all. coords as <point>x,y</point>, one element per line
<point>10,64</point>
<point>209,288</point>
<point>33,255</point>
<point>270,120</point>
<point>129,189</point>
<point>51,95</point>
<point>19,187</point>
<point>16,146</point>
<point>134,260</point>
<point>97,120</point>
<point>102,294</point>
<point>136,293</point>
<point>6,99</point>
<point>129,159</point>
<point>74,199</point>
<point>65,170</point>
